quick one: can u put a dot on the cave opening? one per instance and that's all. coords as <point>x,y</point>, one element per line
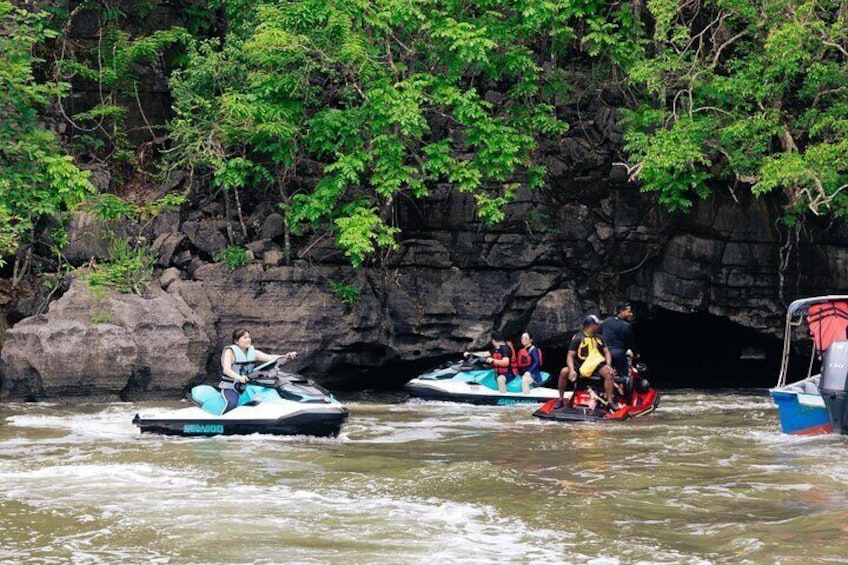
<point>697,350</point>
<point>705,351</point>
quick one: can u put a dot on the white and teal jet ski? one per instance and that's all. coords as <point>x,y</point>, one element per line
<point>472,381</point>
<point>272,402</point>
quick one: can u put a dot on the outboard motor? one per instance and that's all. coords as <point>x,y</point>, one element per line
<point>834,385</point>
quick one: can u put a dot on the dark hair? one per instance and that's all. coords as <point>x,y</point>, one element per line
<point>497,335</point>
<point>530,335</point>
<point>621,307</point>
<point>238,333</point>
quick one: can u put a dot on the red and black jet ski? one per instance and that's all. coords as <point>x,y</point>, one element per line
<point>634,397</point>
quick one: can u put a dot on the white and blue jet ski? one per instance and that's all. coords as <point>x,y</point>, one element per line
<point>272,402</point>
<point>472,381</point>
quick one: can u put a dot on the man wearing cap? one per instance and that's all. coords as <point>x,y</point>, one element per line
<point>618,337</point>
<point>586,346</point>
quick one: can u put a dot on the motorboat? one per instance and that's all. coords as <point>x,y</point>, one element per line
<point>634,397</point>
<point>272,402</point>
<point>472,381</point>
<point>802,408</point>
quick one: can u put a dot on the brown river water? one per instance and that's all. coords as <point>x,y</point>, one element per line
<point>708,478</point>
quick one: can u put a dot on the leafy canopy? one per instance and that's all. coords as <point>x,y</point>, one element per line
<point>37,177</point>
<point>390,98</point>
<point>750,94</point>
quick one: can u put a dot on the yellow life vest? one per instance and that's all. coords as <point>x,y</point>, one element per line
<point>590,355</point>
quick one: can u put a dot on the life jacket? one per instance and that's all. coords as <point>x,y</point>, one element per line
<point>244,362</point>
<point>513,358</point>
<point>525,359</point>
<point>589,354</point>
<point>496,354</point>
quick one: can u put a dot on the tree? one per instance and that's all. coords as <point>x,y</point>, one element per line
<point>388,99</point>
<point>37,178</point>
<point>753,95</point>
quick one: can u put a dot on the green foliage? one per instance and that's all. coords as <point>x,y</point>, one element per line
<point>130,266</point>
<point>113,64</point>
<point>233,256</point>
<point>754,94</point>
<point>128,270</point>
<point>36,177</point>
<point>166,203</point>
<point>390,98</point>
<point>111,207</point>
<point>345,293</point>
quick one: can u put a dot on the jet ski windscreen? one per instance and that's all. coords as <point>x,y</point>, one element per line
<point>835,368</point>
<point>828,322</point>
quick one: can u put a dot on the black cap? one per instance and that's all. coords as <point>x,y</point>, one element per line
<point>590,320</point>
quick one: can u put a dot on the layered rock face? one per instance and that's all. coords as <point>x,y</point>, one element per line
<point>98,343</point>
<point>447,286</point>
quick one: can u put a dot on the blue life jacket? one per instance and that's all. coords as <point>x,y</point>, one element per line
<point>244,363</point>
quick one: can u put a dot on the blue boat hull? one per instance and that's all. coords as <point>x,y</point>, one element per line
<point>800,414</point>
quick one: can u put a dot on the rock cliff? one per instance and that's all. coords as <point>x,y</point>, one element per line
<point>447,286</point>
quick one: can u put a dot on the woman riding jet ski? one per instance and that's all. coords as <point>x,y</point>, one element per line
<point>252,399</point>
<point>475,380</point>
<point>633,397</point>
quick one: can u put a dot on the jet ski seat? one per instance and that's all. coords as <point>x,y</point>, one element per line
<point>208,398</point>
<point>811,388</point>
<point>596,383</point>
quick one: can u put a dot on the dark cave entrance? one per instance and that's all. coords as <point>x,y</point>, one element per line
<point>705,351</point>
<point>681,350</point>
<point>696,351</point>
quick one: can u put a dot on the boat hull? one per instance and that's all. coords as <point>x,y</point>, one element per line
<point>801,413</point>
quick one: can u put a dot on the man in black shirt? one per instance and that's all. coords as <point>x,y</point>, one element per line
<point>618,337</point>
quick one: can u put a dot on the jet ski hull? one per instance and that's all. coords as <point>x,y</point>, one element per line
<point>475,393</point>
<point>468,383</point>
<point>272,402</point>
<point>187,422</point>
<point>584,408</point>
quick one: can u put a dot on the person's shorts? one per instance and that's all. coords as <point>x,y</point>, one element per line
<point>537,377</point>
<point>509,376</point>
<point>596,373</point>
<point>619,361</point>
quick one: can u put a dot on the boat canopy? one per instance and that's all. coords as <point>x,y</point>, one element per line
<point>828,322</point>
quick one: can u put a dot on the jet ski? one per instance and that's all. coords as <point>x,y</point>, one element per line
<point>634,397</point>
<point>472,381</point>
<point>272,402</point>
